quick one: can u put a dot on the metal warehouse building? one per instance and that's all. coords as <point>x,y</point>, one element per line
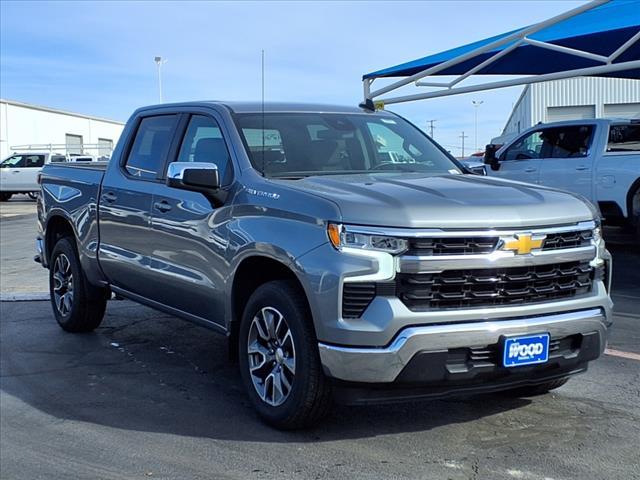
<point>572,99</point>
<point>26,124</point>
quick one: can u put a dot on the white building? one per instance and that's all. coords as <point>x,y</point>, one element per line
<point>26,124</point>
<point>573,99</point>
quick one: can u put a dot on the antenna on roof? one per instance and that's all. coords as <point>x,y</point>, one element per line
<point>262,108</point>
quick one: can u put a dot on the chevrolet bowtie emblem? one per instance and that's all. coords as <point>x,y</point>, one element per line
<point>523,243</point>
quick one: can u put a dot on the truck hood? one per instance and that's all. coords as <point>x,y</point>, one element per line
<point>448,201</point>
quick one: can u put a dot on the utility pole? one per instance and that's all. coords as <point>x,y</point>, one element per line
<point>431,127</point>
<point>463,136</point>
<point>160,61</point>
<point>476,104</point>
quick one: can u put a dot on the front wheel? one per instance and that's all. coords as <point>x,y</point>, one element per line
<point>534,390</point>
<point>77,305</point>
<point>279,359</point>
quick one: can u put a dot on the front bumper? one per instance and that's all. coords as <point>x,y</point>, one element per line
<point>584,330</point>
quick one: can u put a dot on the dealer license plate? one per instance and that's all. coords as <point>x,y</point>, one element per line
<point>526,350</point>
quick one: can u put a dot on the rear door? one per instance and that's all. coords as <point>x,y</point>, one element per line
<point>568,163</point>
<point>189,230</point>
<point>125,204</point>
<point>521,160</point>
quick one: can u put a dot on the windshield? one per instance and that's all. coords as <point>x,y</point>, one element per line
<point>303,144</point>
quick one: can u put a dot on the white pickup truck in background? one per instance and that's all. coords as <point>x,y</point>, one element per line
<point>19,171</point>
<point>598,159</point>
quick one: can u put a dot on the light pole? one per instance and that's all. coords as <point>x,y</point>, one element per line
<point>476,104</point>
<point>159,62</point>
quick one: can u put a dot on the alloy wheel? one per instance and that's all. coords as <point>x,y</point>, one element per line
<point>63,284</point>
<point>272,356</point>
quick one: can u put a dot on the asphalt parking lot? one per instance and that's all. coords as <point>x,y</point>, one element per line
<point>150,396</point>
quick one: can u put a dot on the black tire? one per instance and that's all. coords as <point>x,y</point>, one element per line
<point>534,390</point>
<point>5,197</point>
<point>32,195</point>
<point>309,397</point>
<point>83,310</point>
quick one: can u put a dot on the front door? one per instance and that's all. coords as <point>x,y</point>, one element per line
<point>521,160</point>
<point>569,165</point>
<point>189,230</point>
<point>126,241</point>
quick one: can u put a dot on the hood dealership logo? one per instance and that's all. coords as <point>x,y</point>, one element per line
<point>522,243</point>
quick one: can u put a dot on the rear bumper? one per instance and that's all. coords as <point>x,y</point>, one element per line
<point>465,352</point>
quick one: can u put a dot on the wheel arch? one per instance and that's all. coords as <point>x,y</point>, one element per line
<point>635,188</point>
<point>252,272</point>
<point>57,227</point>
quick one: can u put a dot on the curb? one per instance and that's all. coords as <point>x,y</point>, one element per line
<point>24,297</point>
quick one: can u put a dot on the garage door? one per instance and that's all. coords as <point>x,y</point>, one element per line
<point>576,112</point>
<point>622,110</point>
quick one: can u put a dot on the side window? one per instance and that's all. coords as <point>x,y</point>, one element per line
<point>203,142</point>
<point>569,142</point>
<point>624,138</point>
<point>34,161</point>
<point>14,161</point>
<point>528,147</point>
<point>150,146</point>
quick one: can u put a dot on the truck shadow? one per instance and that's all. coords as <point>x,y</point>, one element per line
<point>148,372</point>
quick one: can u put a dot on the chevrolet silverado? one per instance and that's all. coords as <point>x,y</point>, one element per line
<point>345,255</point>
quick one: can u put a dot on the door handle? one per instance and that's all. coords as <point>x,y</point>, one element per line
<point>162,206</point>
<point>582,168</point>
<point>15,171</point>
<point>530,170</point>
<point>109,197</point>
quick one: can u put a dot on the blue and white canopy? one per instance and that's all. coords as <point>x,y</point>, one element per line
<point>600,38</point>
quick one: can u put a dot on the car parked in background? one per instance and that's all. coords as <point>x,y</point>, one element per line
<point>19,172</point>
<point>598,159</point>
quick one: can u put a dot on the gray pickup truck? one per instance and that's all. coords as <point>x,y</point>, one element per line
<point>345,255</point>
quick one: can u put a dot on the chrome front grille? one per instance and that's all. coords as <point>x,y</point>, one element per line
<point>468,269</point>
<point>492,287</point>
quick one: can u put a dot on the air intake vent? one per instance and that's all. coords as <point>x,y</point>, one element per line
<point>356,297</point>
<point>489,287</point>
<point>452,246</point>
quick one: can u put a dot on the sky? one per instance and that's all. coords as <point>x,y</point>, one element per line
<point>97,58</point>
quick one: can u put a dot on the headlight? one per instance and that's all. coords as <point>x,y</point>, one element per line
<point>342,236</point>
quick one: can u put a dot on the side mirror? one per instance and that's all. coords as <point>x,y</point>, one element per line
<point>490,157</point>
<point>478,170</point>
<point>197,176</point>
